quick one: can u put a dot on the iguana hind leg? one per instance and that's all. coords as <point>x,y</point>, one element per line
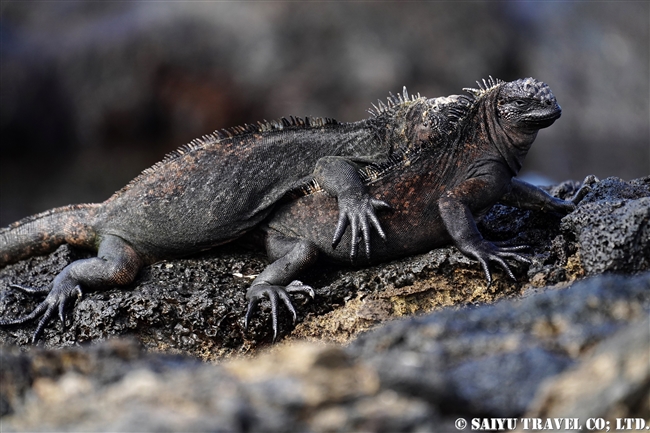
<point>291,256</point>
<point>116,264</point>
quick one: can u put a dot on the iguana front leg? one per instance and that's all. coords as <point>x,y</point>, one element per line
<point>526,196</point>
<point>290,257</point>
<point>340,178</point>
<point>455,211</point>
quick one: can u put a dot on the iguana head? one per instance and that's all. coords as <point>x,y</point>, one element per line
<point>527,104</point>
<point>509,115</point>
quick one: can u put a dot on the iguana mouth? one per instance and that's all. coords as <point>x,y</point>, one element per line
<point>542,119</point>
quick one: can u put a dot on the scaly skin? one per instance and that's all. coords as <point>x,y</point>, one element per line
<point>460,170</point>
<point>439,163</point>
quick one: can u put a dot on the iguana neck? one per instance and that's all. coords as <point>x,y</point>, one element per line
<point>512,145</point>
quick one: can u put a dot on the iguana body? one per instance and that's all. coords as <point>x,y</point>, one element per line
<point>440,163</point>
<point>204,194</point>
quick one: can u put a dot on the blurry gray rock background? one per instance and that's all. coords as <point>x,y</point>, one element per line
<point>94,92</point>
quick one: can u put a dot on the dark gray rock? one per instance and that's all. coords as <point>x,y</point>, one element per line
<point>115,386</point>
<point>481,390</point>
<point>194,305</point>
<point>612,226</point>
<point>611,382</point>
<point>491,360</point>
<point>417,375</point>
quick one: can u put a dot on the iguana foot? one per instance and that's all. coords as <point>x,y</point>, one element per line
<point>485,251</point>
<point>584,189</point>
<point>358,211</point>
<point>565,207</point>
<point>57,299</point>
<point>258,291</point>
<point>117,263</point>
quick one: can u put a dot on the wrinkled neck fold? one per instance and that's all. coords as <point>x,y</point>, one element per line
<point>512,144</point>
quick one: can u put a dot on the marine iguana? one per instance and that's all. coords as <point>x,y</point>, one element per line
<point>439,163</point>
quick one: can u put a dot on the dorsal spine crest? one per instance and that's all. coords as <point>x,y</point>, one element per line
<point>228,133</point>
<point>485,87</point>
<point>392,102</point>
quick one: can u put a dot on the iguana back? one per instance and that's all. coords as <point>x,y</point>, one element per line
<point>219,187</point>
<point>206,193</point>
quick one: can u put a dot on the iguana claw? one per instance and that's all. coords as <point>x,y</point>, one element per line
<point>57,298</point>
<point>358,212</point>
<point>257,292</point>
<point>487,251</point>
<point>584,189</point>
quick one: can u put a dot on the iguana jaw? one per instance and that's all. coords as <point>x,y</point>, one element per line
<point>539,119</point>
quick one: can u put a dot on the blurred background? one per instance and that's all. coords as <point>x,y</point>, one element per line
<point>94,92</point>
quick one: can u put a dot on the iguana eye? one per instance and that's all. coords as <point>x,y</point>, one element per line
<point>519,102</point>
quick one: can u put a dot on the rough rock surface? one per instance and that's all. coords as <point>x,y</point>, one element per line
<point>611,226</point>
<point>490,360</point>
<point>622,366</point>
<point>531,347</point>
<point>414,375</point>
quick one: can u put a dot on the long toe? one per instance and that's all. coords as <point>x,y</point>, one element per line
<point>486,270</point>
<point>43,322</point>
<point>505,267</point>
<point>354,247</point>
<point>273,297</point>
<point>30,289</point>
<point>375,223</point>
<point>298,286</point>
<point>365,229</point>
<point>31,316</point>
<point>340,229</point>
<point>252,306</point>
<point>287,302</point>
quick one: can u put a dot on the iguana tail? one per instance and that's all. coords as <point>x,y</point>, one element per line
<point>42,233</point>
